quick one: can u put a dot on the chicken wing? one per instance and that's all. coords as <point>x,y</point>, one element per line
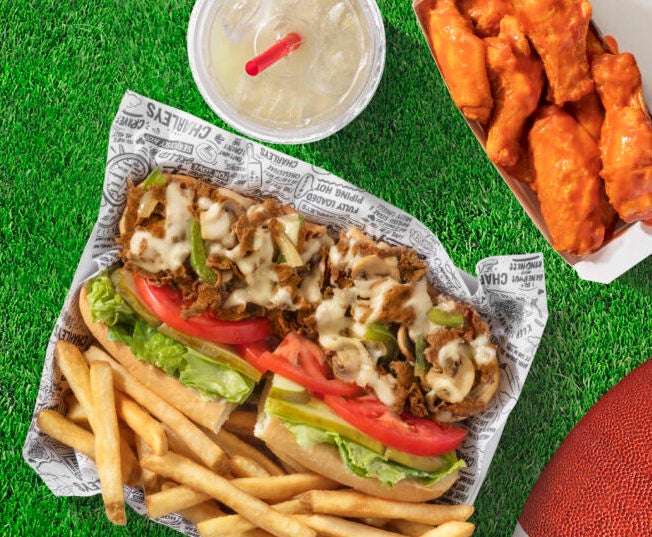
<point>461,58</point>
<point>566,164</point>
<point>626,136</point>
<point>486,14</point>
<point>588,110</point>
<point>558,31</point>
<point>589,113</point>
<point>516,76</point>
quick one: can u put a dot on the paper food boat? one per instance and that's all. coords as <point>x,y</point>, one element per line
<point>509,291</point>
<point>628,22</point>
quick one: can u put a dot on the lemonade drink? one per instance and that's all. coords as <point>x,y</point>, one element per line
<point>318,81</point>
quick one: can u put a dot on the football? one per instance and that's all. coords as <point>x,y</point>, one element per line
<point>599,481</point>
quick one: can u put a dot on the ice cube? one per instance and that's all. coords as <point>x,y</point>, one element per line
<point>240,17</point>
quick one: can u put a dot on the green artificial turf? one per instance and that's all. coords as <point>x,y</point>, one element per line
<point>66,65</point>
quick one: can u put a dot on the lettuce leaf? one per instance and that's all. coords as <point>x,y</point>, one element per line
<point>150,345</point>
<point>193,369</point>
<point>109,307</point>
<point>207,376</point>
<point>364,462</point>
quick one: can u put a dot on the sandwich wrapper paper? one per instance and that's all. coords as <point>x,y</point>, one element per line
<point>509,291</point>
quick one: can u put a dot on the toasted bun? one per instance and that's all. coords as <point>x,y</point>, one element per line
<point>325,459</point>
<point>210,414</point>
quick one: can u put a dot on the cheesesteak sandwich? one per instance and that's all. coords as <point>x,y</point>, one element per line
<point>364,367</point>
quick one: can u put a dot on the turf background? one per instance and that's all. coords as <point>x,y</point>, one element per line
<point>65,67</point>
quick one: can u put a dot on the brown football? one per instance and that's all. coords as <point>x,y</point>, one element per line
<point>599,481</point>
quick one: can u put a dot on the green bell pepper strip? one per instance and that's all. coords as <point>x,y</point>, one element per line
<point>156,177</point>
<point>452,319</point>
<point>380,332</point>
<point>420,358</point>
<point>198,253</point>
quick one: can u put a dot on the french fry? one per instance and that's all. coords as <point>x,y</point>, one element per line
<point>74,411</point>
<point>195,513</point>
<point>238,525</point>
<point>332,526</point>
<point>73,366</point>
<point>453,528</point>
<point>142,423</point>
<point>126,434</point>
<point>409,528</point>
<point>232,445</point>
<point>172,499</point>
<point>170,446</point>
<point>283,487</point>
<point>178,445</point>
<point>203,447</point>
<point>200,512</point>
<point>243,466</point>
<point>223,526</point>
<point>76,370</point>
<point>131,470</point>
<point>186,472</point>
<point>256,532</point>
<point>107,442</point>
<point>358,505</point>
<point>377,522</point>
<point>289,507</point>
<point>65,431</point>
<point>149,480</point>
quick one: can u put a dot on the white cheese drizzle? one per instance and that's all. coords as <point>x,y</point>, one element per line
<point>170,251</point>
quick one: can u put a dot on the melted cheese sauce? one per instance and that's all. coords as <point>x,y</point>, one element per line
<point>484,353</point>
<point>215,223</point>
<point>169,252</point>
<point>257,271</point>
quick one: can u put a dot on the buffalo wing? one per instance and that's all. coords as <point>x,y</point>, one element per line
<point>461,57</point>
<point>626,136</point>
<point>516,76</point>
<point>566,164</point>
<point>486,14</point>
<point>558,30</point>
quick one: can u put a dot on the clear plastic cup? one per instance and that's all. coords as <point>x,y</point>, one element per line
<point>308,95</point>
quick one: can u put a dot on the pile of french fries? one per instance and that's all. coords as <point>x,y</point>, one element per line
<point>224,482</point>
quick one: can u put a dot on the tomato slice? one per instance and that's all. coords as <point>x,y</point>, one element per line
<point>166,303</point>
<point>408,433</point>
<point>302,361</point>
<point>252,352</point>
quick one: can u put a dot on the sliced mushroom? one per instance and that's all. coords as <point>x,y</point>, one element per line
<point>454,383</point>
<point>351,361</point>
<point>372,267</point>
<point>405,344</point>
<point>450,355</point>
<point>485,390</point>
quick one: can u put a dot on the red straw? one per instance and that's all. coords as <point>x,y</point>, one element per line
<point>278,50</point>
